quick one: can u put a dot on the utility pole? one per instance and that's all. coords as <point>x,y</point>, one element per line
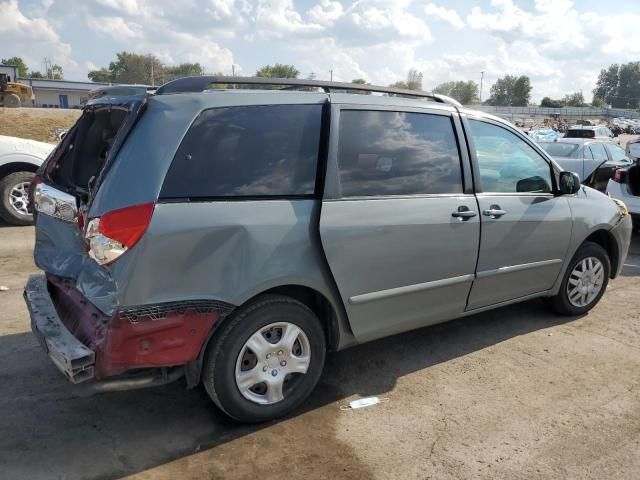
<point>481,80</point>
<point>153,80</point>
<point>331,74</point>
<point>233,69</point>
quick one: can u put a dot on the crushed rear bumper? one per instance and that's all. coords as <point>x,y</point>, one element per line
<point>69,354</point>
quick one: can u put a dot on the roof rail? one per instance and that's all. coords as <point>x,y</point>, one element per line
<point>199,84</point>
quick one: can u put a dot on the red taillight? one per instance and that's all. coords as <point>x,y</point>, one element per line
<point>619,176</point>
<point>127,225</point>
<point>115,232</point>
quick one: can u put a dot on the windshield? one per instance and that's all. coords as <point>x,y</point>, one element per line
<point>557,149</point>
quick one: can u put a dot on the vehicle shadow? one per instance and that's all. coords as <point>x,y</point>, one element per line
<point>50,428</point>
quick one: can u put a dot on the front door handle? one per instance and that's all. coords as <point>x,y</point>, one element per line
<point>494,211</point>
<point>463,213</point>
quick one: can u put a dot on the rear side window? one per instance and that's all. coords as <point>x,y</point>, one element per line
<point>253,151</point>
<point>598,152</point>
<point>397,153</point>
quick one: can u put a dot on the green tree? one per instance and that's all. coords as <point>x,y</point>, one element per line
<point>130,68</point>
<point>628,93</point>
<point>102,75</point>
<point>182,70</point>
<point>550,103</point>
<point>511,91</point>
<point>278,71</point>
<point>597,103</point>
<point>607,84</point>
<point>464,92</point>
<point>18,62</point>
<point>413,81</point>
<point>574,100</point>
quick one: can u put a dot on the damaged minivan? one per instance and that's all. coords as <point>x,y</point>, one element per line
<point>232,237</point>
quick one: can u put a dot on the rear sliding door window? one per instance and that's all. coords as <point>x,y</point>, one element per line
<point>397,153</point>
<point>253,151</point>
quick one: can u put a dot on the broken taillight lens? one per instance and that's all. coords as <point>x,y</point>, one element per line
<point>115,232</point>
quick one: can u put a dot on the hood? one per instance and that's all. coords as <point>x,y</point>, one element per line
<point>583,167</point>
<point>14,145</point>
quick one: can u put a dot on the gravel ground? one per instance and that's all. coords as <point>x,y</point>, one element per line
<point>513,393</point>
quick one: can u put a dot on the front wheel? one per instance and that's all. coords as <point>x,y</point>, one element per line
<point>266,360</point>
<point>584,281</point>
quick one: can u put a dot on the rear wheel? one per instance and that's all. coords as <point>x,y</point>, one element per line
<point>584,281</point>
<point>266,360</point>
<point>14,198</point>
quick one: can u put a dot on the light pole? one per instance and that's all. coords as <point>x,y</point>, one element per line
<point>481,80</point>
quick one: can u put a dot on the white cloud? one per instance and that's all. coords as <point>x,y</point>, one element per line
<point>116,27</point>
<point>326,12</point>
<point>277,18</point>
<point>449,16</point>
<point>129,7</point>
<point>32,38</point>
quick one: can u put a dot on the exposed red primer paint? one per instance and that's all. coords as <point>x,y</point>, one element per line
<point>121,345</point>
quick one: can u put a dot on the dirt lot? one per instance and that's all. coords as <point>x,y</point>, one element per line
<point>35,123</point>
<point>514,393</point>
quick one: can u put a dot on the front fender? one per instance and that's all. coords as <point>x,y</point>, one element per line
<point>593,211</point>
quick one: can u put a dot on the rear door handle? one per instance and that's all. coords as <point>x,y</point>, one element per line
<point>463,213</point>
<point>494,211</point>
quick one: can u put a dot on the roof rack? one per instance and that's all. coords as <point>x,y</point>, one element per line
<point>200,84</point>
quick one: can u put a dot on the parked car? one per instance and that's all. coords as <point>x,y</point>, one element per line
<point>595,161</point>
<point>586,131</point>
<point>19,159</point>
<point>625,185</point>
<point>233,237</point>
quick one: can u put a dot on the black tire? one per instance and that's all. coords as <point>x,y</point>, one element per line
<point>11,100</point>
<point>219,368</point>
<point>7,211</point>
<point>561,303</point>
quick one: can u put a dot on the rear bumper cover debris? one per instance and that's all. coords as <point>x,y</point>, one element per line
<point>69,354</point>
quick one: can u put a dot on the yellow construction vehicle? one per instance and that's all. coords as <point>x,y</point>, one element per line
<point>13,94</point>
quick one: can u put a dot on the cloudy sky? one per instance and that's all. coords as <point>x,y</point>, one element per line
<point>560,44</point>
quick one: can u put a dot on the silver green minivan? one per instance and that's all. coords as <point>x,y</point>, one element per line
<point>232,237</point>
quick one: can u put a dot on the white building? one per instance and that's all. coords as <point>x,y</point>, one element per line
<point>60,93</point>
<point>10,70</point>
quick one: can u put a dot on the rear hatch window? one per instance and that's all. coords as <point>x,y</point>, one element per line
<point>558,149</point>
<point>580,133</point>
<point>76,164</point>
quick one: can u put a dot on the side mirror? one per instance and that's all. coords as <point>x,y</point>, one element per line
<point>569,183</point>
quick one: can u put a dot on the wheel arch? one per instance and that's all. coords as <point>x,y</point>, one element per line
<point>606,240</point>
<point>335,326</point>
<point>20,166</point>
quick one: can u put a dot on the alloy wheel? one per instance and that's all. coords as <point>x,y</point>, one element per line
<point>19,198</point>
<point>585,282</point>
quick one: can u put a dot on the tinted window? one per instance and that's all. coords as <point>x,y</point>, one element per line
<point>397,153</point>
<point>559,149</point>
<point>598,152</point>
<point>580,133</point>
<point>248,151</point>
<point>507,163</point>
